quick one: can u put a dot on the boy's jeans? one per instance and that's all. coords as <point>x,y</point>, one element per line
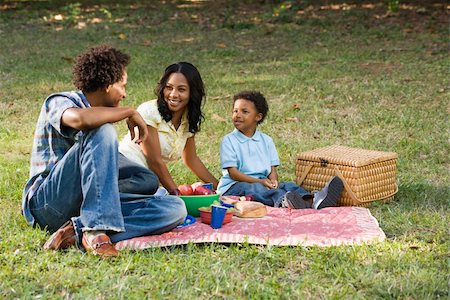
<point>269,197</point>
<point>84,187</point>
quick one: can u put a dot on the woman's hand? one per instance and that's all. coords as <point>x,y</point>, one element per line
<point>175,192</point>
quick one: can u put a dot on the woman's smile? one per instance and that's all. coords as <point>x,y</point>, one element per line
<point>176,92</point>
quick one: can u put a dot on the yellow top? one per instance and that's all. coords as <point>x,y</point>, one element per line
<point>171,140</point>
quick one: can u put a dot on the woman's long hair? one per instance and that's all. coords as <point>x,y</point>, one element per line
<point>196,94</point>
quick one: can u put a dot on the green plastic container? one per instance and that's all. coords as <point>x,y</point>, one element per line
<point>194,202</point>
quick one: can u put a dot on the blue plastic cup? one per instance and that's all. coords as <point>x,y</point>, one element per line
<point>217,215</point>
<point>208,185</point>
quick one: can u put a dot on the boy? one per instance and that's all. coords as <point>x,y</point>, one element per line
<point>78,181</point>
<point>249,161</point>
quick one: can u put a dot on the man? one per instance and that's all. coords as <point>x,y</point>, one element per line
<point>80,187</point>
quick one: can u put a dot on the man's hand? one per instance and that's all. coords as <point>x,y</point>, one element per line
<point>135,120</point>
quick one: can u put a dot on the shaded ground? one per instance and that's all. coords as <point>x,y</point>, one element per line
<point>415,14</point>
<point>411,19</point>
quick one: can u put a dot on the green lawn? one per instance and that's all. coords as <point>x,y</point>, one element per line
<point>333,74</point>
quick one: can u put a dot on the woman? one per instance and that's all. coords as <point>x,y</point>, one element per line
<point>172,120</point>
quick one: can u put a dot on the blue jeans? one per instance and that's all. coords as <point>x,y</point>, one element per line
<point>136,179</point>
<point>84,186</point>
<point>269,197</point>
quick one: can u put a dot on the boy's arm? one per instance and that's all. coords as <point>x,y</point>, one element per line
<point>93,117</point>
<point>236,175</point>
<point>273,177</point>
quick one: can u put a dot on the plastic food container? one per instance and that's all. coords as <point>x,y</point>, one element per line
<point>194,202</point>
<point>206,217</point>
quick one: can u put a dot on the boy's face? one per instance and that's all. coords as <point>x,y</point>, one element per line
<point>245,116</point>
<point>116,92</point>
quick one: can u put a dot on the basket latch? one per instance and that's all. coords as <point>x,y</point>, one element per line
<point>323,162</point>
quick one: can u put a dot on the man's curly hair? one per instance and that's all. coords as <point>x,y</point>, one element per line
<point>99,67</point>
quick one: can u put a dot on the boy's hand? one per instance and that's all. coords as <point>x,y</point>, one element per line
<point>274,183</point>
<point>269,183</point>
<point>135,120</point>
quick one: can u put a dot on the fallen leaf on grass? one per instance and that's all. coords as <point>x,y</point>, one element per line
<point>70,60</point>
<point>225,97</point>
<point>221,45</point>
<point>81,25</point>
<point>296,106</point>
<point>122,36</point>
<point>96,20</point>
<point>218,118</point>
<point>291,119</point>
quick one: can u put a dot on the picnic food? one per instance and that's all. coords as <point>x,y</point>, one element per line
<point>201,190</point>
<point>250,209</point>
<point>186,189</point>
<point>217,203</point>
<point>193,202</point>
<point>205,213</point>
<point>234,199</point>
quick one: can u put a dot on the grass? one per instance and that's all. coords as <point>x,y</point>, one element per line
<point>333,74</point>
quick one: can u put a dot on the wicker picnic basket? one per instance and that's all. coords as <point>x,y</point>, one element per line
<point>367,175</point>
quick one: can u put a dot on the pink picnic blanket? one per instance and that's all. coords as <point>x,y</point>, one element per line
<point>280,227</point>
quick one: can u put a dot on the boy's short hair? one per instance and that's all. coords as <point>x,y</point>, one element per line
<point>99,67</point>
<point>258,100</point>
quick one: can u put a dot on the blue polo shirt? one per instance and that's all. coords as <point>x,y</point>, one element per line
<point>252,156</point>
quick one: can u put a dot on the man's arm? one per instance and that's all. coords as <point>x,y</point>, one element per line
<point>93,117</point>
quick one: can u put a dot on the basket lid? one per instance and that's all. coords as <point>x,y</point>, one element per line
<point>347,156</point>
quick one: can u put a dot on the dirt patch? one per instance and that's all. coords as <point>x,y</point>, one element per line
<point>379,68</point>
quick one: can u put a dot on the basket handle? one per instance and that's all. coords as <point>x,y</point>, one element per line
<point>305,173</point>
<point>352,194</point>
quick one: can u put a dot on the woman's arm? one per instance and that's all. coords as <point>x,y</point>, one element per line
<point>193,162</point>
<point>152,151</point>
